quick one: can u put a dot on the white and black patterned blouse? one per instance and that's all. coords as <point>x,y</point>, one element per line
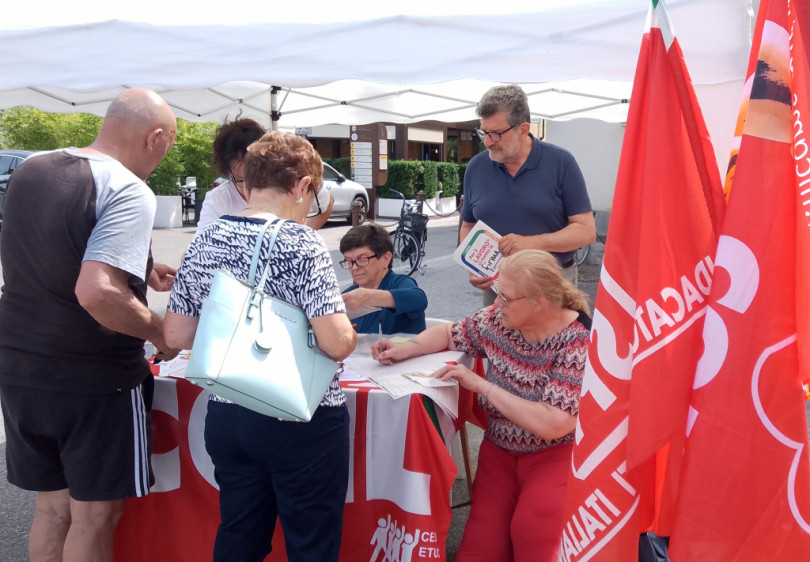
<point>301,272</point>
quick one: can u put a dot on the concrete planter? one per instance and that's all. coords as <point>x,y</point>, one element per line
<point>442,205</point>
<point>169,211</point>
<point>390,208</point>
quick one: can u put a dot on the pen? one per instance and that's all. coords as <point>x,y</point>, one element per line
<point>379,338</point>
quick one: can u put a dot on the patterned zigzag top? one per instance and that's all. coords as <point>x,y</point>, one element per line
<point>550,371</point>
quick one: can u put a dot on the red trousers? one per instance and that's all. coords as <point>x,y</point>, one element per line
<point>517,506</point>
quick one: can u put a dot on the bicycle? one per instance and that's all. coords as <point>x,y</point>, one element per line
<point>581,254</point>
<point>409,238</point>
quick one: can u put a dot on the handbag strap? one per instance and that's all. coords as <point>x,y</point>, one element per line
<point>254,263</point>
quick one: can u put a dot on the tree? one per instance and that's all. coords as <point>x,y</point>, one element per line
<point>192,154</point>
<point>31,129</point>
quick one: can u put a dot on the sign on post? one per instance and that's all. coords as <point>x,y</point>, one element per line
<point>369,155</point>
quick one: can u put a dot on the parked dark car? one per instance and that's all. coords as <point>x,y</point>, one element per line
<point>9,160</point>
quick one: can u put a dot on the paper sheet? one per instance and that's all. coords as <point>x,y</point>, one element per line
<point>175,367</point>
<point>369,368</point>
<point>398,380</point>
<point>352,314</point>
<point>428,380</point>
<point>395,381</point>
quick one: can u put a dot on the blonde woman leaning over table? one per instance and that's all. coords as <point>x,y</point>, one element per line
<point>535,336</point>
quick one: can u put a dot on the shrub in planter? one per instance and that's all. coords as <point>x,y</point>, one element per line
<point>402,176</point>
<point>430,178</point>
<point>408,177</point>
<point>448,178</point>
<point>462,169</point>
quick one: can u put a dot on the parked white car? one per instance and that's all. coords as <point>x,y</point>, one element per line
<point>345,192</point>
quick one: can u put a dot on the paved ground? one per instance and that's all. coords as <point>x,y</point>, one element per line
<point>450,297</point>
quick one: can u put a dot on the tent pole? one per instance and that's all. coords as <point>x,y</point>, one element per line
<point>275,115</point>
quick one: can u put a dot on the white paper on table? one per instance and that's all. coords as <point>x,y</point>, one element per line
<point>426,378</point>
<point>349,375</point>
<point>364,343</point>
<point>398,385</point>
<point>175,367</point>
<point>393,379</point>
<point>352,314</point>
<point>369,368</point>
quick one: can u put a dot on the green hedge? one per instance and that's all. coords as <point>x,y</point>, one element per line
<point>462,169</point>
<point>449,180</point>
<point>342,165</point>
<point>409,177</point>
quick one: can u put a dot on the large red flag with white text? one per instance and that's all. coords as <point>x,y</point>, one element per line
<point>647,325</point>
<point>745,486</point>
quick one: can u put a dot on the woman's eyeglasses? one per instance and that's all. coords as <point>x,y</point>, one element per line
<point>505,300</point>
<point>362,261</point>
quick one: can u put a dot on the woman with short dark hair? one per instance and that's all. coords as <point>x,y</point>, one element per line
<point>230,150</point>
<point>367,251</point>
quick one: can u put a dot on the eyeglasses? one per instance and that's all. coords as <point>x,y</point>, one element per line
<point>362,261</point>
<point>505,300</point>
<point>317,193</point>
<point>493,136</point>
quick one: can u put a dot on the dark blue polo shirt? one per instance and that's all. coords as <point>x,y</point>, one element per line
<point>547,189</point>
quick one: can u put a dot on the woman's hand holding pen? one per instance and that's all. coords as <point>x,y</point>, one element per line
<point>387,352</point>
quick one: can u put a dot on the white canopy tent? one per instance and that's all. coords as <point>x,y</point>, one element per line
<point>360,63</point>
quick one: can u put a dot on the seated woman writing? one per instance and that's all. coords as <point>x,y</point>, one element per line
<point>535,336</point>
<point>367,253</point>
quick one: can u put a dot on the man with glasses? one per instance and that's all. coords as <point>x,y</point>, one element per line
<point>531,192</point>
<point>367,251</point>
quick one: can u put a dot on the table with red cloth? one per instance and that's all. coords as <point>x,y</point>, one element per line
<point>397,503</point>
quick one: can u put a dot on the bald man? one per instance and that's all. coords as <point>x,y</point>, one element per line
<point>74,385</point>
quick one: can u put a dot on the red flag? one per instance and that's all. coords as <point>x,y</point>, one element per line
<point>745,488</point>
<point>647,326</point>
<point>749,78</point>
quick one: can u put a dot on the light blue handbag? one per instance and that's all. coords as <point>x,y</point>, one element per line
<point>256,350</point>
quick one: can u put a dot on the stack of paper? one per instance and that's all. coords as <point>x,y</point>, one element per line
<point>410,377</point>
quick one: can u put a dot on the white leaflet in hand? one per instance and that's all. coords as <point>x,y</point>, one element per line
<point>479,252</point>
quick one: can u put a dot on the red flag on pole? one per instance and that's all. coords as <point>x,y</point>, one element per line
<point>656,277</point>
<point>749,78</point>
<point>745,487</point>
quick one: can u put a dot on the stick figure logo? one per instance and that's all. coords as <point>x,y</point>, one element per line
<point>393,543</point>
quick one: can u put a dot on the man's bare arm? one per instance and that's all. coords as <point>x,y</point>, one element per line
<point>103,291</point>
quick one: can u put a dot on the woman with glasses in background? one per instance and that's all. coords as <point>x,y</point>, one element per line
<point>230,146</point>
<point>367,252</point>
<point>535,337</point>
